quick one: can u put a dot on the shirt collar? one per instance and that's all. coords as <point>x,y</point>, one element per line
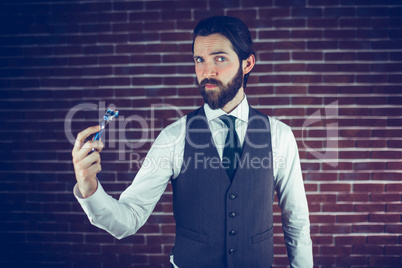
<point>240,112</point>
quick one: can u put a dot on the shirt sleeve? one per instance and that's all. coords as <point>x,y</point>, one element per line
<point>292,198</point>
<point>125,216</point>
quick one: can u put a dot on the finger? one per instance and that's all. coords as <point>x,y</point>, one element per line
<point>100,146</point>
<point>94,169</point>
<point>87,149</point>
<point>83,135</point>
<point>88,161</point>
<point>84,176</point>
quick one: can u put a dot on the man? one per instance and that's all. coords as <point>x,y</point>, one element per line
<point>220,159</point>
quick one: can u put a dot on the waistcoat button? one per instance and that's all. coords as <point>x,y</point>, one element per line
<point>232,214</point>
<point>232,196</point>
<point>232,233</point>
<point>231,251</point>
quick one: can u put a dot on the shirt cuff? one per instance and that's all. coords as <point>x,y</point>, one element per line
<point>93,203</point>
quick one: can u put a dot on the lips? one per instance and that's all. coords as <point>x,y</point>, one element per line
<point>210,86</point>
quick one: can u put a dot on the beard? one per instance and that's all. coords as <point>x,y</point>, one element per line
<point>218,98</point>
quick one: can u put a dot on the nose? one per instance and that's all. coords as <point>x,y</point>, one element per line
<point>209,70</point>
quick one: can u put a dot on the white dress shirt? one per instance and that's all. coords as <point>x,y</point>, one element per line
<point>164,161</point>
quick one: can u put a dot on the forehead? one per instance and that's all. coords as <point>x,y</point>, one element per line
<point>212,43</point>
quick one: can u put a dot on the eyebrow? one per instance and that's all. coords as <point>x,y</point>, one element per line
<point>213,53</point>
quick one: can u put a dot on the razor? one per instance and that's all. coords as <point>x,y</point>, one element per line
<point>109,116</point>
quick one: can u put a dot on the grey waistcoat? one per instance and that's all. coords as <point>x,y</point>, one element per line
<point>219,223</point>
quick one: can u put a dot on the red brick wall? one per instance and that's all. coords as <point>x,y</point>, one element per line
<point>342,58</point>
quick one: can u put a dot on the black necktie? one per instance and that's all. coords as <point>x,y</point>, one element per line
<point>232,151</point>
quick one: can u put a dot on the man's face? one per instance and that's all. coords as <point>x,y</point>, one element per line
<point>218,70</point>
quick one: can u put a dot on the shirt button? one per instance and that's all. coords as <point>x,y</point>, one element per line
<point>232,196</point>
<point>232,214</point>
<point>232,233</point>
<point>231,251</point>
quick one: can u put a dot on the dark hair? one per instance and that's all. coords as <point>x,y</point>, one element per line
<point>233,29</point>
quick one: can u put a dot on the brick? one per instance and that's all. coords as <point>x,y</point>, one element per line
<point>289,23</point>
<point>340,56</point>
<point>335,187</point>
<point>384,217</point>
<point>369,166</point>
<point>325,261</point>
<point>354,154</point>
<point>335,229</point>
<point>144,15</point>
<point>339,78</point>
<point>321,22</point>
<point>368,228</point>
<point>321,176</point>
<point>128,6</point>
<point>323,2</point>
<point>306,78</point>
<point>353,197</point>
<point>378,240</point>
<point>394,144</point>
<point>387,111</point>
<point>339,12</point>
<point>367,250</point>
<point>274,34</point>
<point>275,79</point>
<point>372,187</point>
<point>393,250</point>
<point>393,228</point>
<point>273,12</point>
<point>371,143</point>
<point>277,56</point>
<point>393,165</point>
<point>372,56</point>
<point>356,44</point>
<point>394,207</point>
<point>320,198</point>
<point>386,90</point>
<point>386,155</point>
<point>306,12</point>
<point>337,208</point>
<point>391,44</point>
<point>382,260</point>
<point>335,250</point>
<point>387,176</point>
<point>371,11</point>
<point>372,100</point>
<point>323,89</point>
<point>322,218</point>
<point>372,34</point>
<point>290,45</point>
<point>354,68</point>
<point>293,3</point>
<point>289,67</point>
<point>369,207</point>
<point>348,261</point>
<point>307,56</point>
<point>339,34</point>
<point>392,187</point>
<point>321,239</point>
<point>356,217</point>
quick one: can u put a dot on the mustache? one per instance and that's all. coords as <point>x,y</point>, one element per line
<point>211,81</point>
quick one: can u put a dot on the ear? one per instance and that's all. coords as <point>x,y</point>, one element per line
<point>248,64</point>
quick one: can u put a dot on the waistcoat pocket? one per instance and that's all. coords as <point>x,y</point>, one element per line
<point>202,238</point>
<point>263,236</point>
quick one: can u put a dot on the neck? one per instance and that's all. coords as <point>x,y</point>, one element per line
<point>231,105</point>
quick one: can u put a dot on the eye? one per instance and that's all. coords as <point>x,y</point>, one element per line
<point>220,58</point>
<point>198,60</point>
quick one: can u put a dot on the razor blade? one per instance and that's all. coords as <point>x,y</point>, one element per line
<point>109,116</point>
